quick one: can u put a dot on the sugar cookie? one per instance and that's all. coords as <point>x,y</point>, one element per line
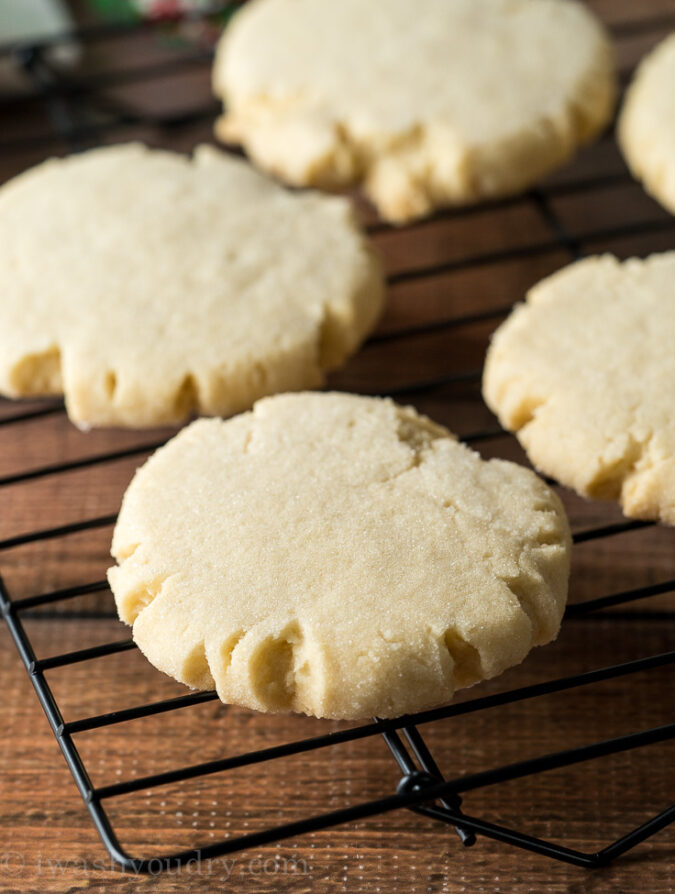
<point>336,555</point>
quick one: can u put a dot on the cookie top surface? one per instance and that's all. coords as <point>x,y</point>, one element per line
<point>336,555</point>
<point>430,103</point>
<point>584,372</point>
<point>647,123</point>
<point>146,285</point>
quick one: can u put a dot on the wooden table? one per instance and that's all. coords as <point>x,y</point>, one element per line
<point>454,265</point>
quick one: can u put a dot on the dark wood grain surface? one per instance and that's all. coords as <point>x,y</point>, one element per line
<point>452,266</point>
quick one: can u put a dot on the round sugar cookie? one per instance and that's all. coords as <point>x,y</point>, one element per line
<point>428,103</point>
<point>336,555</point>
<point>584,373</point>
<point>146,285</point>
<point>647,123</point>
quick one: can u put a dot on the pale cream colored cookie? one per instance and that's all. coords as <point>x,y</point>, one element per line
<point>584,373</point>
<point>146,285</point>
<point>336,555</point>
<point>647,123</point>
<point>429,103</point>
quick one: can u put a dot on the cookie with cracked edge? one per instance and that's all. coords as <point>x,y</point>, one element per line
<point>146,285</point>
<point>584,373</point>
<point>647,123</point>
<point>336,555</point>
<point>428,104</point>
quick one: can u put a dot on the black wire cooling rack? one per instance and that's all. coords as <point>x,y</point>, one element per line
<point>80,115</point>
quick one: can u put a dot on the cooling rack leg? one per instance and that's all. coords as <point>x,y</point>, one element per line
<point>416,778</point>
